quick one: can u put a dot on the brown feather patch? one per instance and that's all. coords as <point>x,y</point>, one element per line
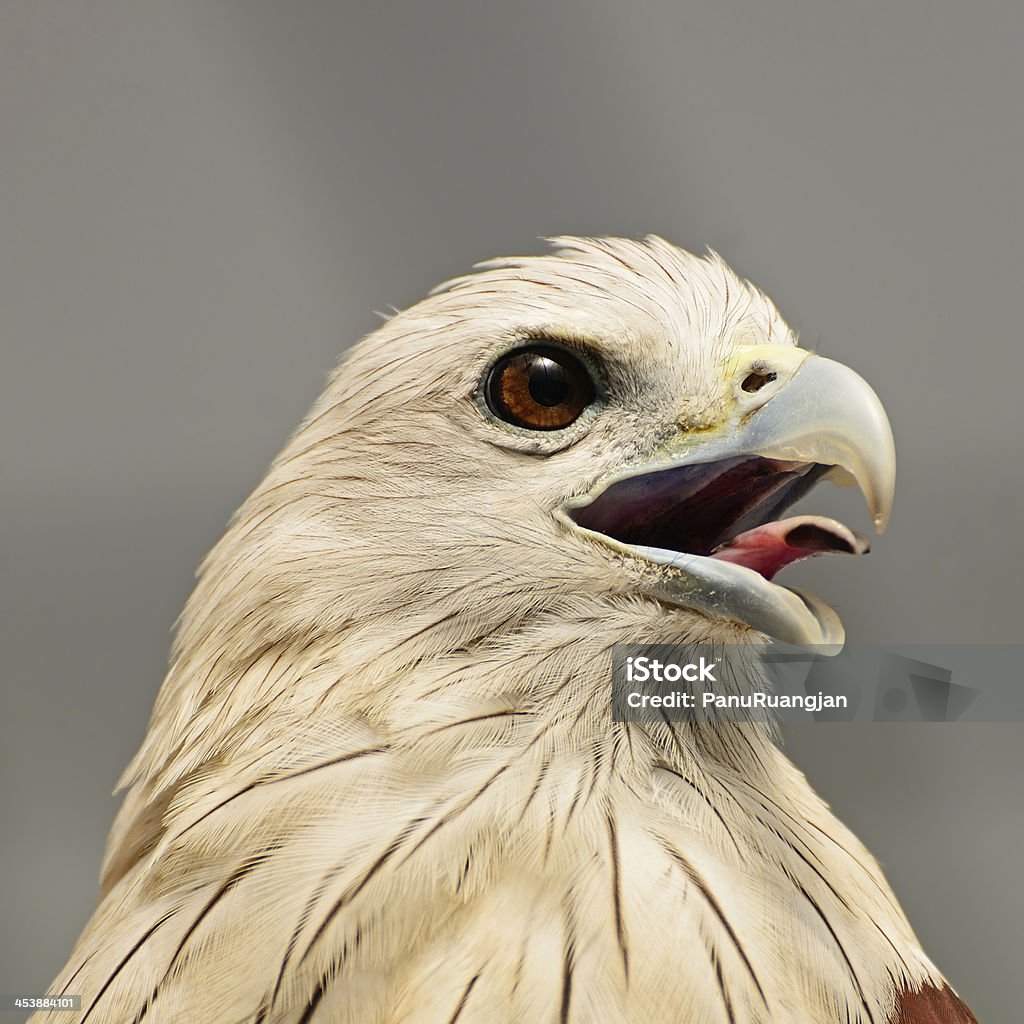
<point>931,1005</point>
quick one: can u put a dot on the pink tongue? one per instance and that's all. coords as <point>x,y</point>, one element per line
<point>771,547</point>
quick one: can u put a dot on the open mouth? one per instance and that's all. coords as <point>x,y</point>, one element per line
<point>728,510</point>
<point>706,514</point>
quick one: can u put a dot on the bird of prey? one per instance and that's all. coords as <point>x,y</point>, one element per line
<point>382,783</point>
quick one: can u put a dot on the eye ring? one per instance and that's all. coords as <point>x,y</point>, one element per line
<point>539,386</point>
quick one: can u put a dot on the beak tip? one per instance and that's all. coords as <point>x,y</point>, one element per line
<point>881,505</point>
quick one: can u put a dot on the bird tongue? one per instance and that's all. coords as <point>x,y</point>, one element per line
<point>771,547</point>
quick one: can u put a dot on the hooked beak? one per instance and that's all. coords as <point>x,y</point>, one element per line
<point>704,512</point>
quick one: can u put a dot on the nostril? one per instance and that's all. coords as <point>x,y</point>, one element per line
<point>757,378</point>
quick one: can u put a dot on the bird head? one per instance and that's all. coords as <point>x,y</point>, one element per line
<point>617,417</point>
<point>607,434</point>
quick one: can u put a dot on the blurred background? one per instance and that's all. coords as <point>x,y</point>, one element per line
<point>203,203</point>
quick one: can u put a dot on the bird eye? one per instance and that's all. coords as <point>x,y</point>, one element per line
<point>541,387</point>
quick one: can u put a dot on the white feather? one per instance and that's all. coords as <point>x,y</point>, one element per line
<point>381,779</point>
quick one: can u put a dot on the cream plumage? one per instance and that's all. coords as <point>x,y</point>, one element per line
<point>381,782</point>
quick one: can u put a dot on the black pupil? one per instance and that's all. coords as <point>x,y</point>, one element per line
<point>548,383</point>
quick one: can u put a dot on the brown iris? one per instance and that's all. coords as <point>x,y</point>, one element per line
<point>540,387</point>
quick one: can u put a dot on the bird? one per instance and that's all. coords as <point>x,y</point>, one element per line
<point>383,783</point>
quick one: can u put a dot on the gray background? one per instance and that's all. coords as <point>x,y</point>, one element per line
<point>202,203</point>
